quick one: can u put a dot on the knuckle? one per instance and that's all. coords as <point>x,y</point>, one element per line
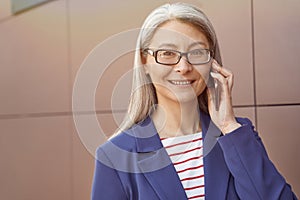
<point>225,81</point>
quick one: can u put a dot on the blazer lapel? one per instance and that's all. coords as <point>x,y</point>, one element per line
<point>155,163</point>
<point>164,180</point>
<point>215,169</point>
<point>159,171</point>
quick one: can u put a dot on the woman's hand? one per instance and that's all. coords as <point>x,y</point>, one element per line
<point>224,118</point>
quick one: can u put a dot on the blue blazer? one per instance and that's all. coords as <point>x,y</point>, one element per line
<point>134,165</point>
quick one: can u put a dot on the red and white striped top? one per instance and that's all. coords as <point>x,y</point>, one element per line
<point>186,153</point>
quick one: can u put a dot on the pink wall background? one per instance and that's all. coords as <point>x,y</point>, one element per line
<point>41,50</point>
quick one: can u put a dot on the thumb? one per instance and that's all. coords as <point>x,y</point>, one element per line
<point>210,93</point>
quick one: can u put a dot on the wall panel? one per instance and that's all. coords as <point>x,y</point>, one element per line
<point>279,129</point>
<point>34,69</point>
<point>35,158</point>
<point>5,9</point>
<point>277,46</point>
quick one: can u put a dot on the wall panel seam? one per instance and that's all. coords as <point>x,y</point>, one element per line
<point>253,62</point>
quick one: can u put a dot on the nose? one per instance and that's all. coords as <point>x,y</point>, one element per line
<point>183,66</point>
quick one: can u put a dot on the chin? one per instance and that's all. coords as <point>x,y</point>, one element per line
<point>185,98</point>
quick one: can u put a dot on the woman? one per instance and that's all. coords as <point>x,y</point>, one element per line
<point>180,138</point>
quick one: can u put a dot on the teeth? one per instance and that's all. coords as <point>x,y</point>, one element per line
<point>181,82</point>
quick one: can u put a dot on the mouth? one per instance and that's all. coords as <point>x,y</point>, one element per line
<point>181,82</point>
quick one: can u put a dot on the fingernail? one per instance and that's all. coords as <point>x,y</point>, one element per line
<point>213,74</point>
<point>215,66</point>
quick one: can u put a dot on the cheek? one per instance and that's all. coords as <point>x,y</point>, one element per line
<point>157,72</point>
<point>200,88</point>
<point>204,71</point>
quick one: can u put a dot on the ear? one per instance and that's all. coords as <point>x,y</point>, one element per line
<point>143,57</point>
<point>144,62</point>
<point>146,69</point>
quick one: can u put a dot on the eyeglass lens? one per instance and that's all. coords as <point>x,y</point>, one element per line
<point>198,56</point>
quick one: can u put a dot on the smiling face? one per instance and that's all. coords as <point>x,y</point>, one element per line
<point>181,82</point>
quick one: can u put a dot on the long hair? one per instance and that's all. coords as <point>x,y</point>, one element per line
<point>143,95</point>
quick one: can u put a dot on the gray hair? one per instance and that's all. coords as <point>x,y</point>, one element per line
<point>143,97</point>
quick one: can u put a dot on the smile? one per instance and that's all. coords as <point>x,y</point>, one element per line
<point>185,82</point>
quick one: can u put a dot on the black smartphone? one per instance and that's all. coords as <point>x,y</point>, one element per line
<point>212,83</point>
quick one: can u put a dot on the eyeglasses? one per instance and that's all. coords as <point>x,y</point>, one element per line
<point>172,57</point>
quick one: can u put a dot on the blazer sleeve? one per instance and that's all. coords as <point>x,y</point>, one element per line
<point>106,182</point>
<point>255,176</point>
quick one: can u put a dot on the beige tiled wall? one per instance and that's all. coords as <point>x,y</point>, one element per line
<point>5,9</point>
<point>34,61</point>
<point>279,131</point>
<point>41,51</point>
<point>35,158</point>
<point>277,42</point>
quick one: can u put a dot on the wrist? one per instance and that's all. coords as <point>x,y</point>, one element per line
<point>230,127</point>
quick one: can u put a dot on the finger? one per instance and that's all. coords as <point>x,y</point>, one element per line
<point>230,82</point>
<point>224,72</point>
<point>210,97</point>
<point>222,81</point>
<point>217,68</point>
<point>209,94</point>
<point>219,78</point>
<point>229,78</point>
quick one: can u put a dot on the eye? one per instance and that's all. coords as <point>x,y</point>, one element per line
<point>167,53</point>
<point>198,52</point>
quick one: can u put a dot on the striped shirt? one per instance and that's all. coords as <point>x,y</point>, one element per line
<point>186,153</point>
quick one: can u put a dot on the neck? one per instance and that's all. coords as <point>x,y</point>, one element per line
<point>175,118</point>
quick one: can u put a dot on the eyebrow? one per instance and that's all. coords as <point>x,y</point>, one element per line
<point>190,46</point>
<point>167,45</point>
<point>198,43</point>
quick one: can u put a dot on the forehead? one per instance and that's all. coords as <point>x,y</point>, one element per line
<point>179,34</point>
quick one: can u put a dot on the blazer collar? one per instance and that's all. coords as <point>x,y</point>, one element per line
<point>215,169</point>
<point>147,138</point>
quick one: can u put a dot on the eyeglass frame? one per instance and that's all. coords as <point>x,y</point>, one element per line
<point>181,54</point>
